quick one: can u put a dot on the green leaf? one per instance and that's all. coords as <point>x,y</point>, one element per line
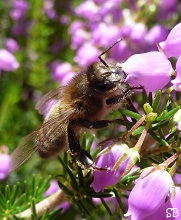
<point>80,176</point>
<point>7,192</point>
<point>20,200</point>
<point>44,185</point>
<point>2,201</point>
<point>106,206</point>
<point>157,138</point>
<point>138,131</point>
<point>119,200</point>
<point>156,101</point>
<point>65,189</point>
<point>170,113</point>
<point>15,191</point>
<point>131,114</point>
<point>83,140</point>
<point>90,142</point>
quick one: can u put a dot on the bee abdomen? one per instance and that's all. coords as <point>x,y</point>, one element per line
<point>51,146</point>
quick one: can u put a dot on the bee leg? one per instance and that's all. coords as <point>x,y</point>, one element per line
<point>97,124</point>
<point>116,99</point>
<point>84,159</point>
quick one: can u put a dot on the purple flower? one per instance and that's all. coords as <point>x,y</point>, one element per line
<point>87,10</point>
<point>149,193</point>
<point>151,70</point>
<point>156,34</point>
<point>167,8</point>
<point>170,208</point>
<point>62,72</point>
<point>7,61</point>
<point>49,9</point>
<point>177,81</point>
<point>54,187</point>
<point>86,54</point>
<point>138,33</point>
<point>110,7</point>
<point>121,51</point>
<point>112,33</point>
<point>177,178</point>
<point>78,38</point>
<point>12,45</point>
<point>5,161</point>
<point>20,7</point>
<point>75,26</point>
<point>108,178</point>
<point>172,45</point>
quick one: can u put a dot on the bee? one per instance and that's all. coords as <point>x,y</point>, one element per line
<point>81,104</point>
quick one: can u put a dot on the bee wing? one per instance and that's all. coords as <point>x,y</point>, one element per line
<point>27,146</point>
<point>49,99</point>
<point>24,151</point>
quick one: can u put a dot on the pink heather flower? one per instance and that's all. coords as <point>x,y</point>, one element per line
<point>20,7</point>
<point>108,178</point>
<point>169,209</point>
<point>49,9</point>
<point>121,51</point>
<point>7,61</point>
<point>78,38</point>
<point>5,161</point>
<point>149,194</point>
<point>138,32</point>
<point>110,7</point>
<point>155,35</point>
<point>12,45</point>
<point>86,55</point>
<point>54,187</point>
<point>62,72</point>
<point>172,45</point>
<point>177,81</point>
<point>87,10</point>
<point>151,70</point>
<point>75,26</point>
<point>167,8</point>
<point>112,33</point>
<point>177,178</point>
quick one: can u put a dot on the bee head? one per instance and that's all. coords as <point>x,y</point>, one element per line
<point>106,78</point>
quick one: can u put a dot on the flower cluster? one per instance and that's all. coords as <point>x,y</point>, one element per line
<point>152,71</point>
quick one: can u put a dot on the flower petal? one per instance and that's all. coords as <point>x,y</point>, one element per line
<point>151,70</point>
<point>148,194</point>
<point>172,45</point>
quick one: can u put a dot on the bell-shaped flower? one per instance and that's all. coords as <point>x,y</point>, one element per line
<point>170,208</point>
<point>149,193</point>
<point>150,70</point>
<point>172,45</point>
<point>108,159</point>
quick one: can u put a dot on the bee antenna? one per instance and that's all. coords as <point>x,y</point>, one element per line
<point>105,51</point>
